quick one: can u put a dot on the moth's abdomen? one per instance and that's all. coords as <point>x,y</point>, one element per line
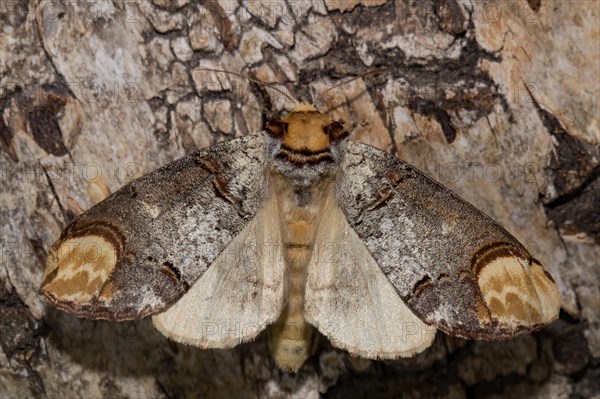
<point>298,238</point>
<point>292,336</point>
<point>291,339</point>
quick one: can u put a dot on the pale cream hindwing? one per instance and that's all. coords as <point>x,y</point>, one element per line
<point>239,295</point>
<point>351,301</point>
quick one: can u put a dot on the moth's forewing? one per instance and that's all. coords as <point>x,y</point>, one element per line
<point>452,265</point>
<point>140,249</point>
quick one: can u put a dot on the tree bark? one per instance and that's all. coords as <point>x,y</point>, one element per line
<point>496,100</point>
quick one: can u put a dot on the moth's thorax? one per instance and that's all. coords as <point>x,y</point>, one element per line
<point>306,145</point>
<point>300,208</point>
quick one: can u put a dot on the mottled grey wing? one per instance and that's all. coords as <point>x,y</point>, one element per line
<point>452,265</point>
<point>141,248</point>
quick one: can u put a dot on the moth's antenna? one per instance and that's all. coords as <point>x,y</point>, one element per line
<point>346,82</point>
<point>253,81</point>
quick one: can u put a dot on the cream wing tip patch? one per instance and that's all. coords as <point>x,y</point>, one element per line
<point>78,268</point>
<point>519,293</point>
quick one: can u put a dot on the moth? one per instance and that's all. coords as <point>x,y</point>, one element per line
<point>295,231</point>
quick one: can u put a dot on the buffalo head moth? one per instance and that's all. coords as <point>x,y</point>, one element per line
<point>298,230</point>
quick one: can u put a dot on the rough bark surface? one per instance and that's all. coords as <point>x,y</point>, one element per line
<point>497,100</point>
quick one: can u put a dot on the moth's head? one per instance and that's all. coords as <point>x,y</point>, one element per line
<point>305,138</point>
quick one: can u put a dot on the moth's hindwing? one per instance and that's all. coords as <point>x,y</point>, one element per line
<point>452,265</point>
<point>239,295</point>
<point>142,247</point>
<point>350,300</point>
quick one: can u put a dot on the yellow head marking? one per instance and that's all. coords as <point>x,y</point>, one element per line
<point>307,131</point>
